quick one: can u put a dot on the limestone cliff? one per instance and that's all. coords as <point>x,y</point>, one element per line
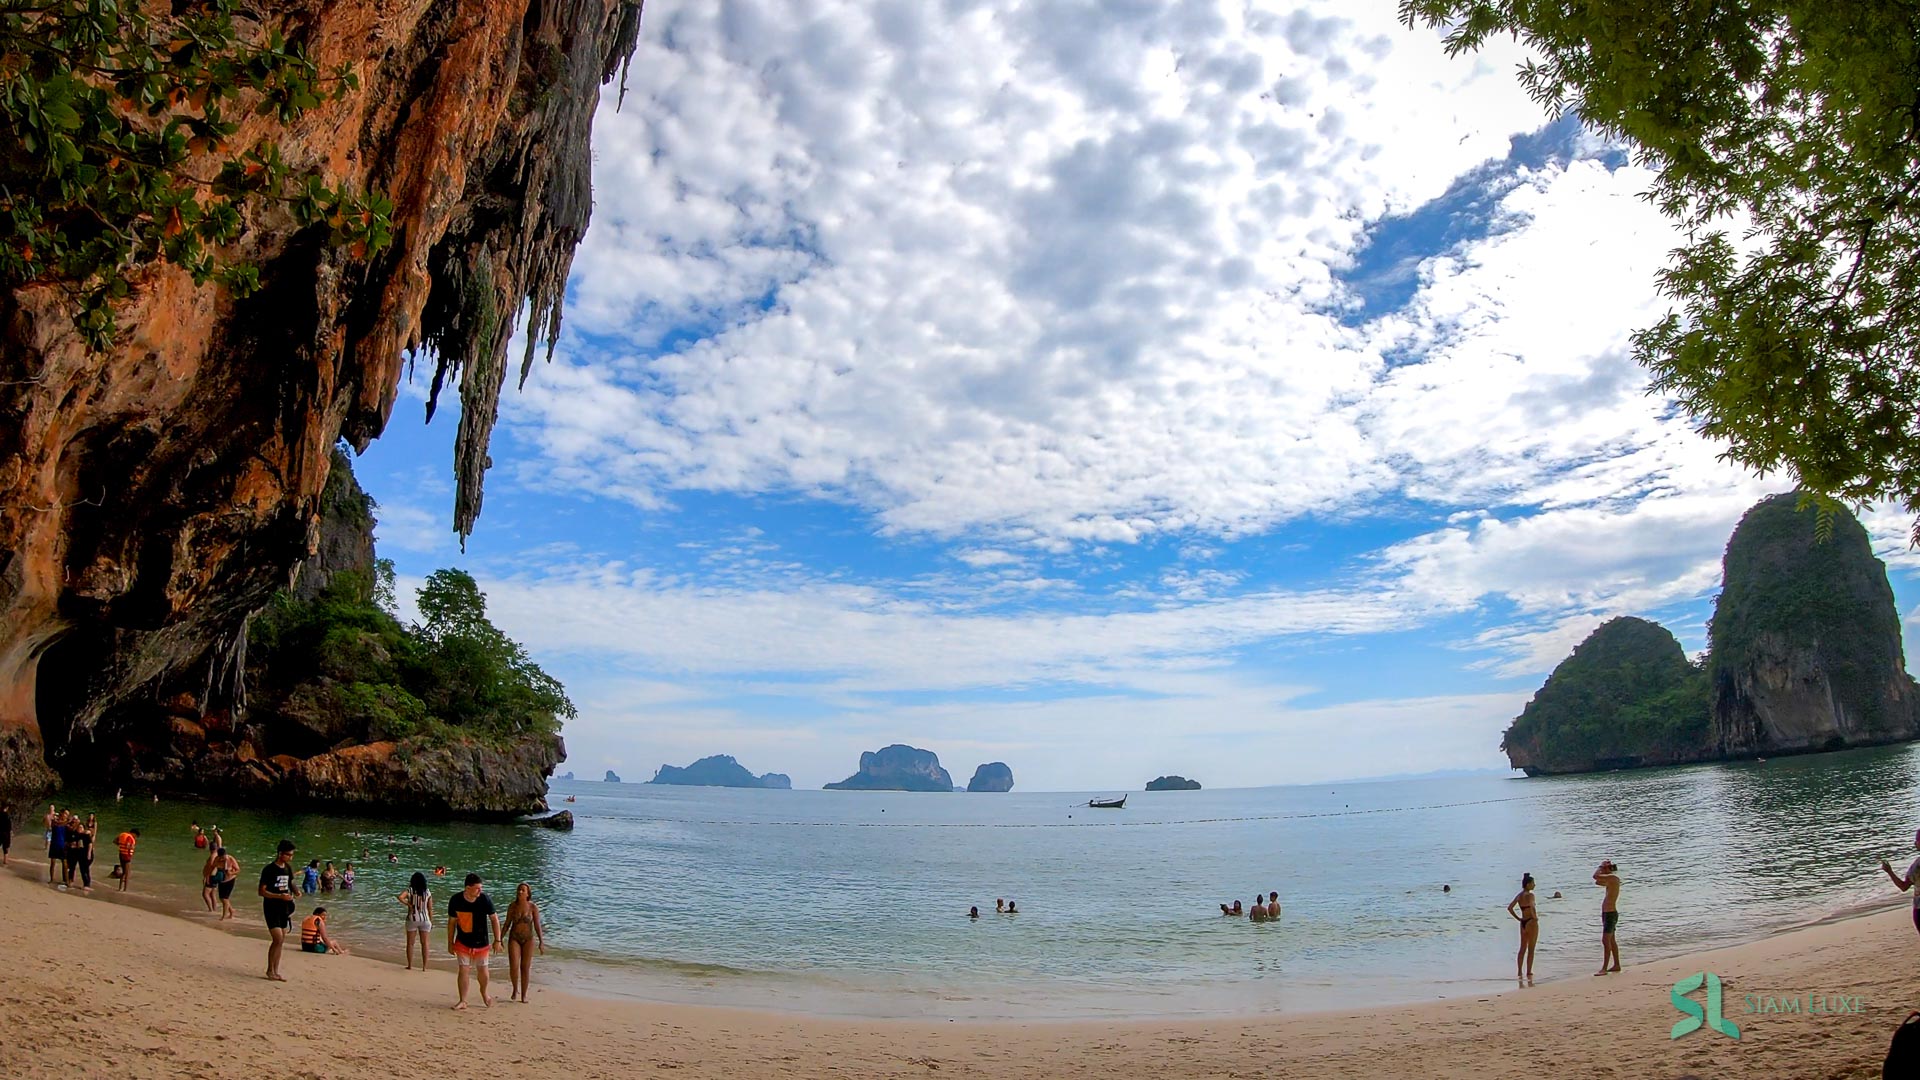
<point>311,731</point>
<point>1175,782</point>
<point>993,776</point>
<point>1628,696</point>
<point>897,768</point>
<point>1806,646</point>
<point>1805,654</point>
<point>719,770</point>
<point>155,494</point>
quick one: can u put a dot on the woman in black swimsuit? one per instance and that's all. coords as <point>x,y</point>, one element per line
<point>1529,927</point>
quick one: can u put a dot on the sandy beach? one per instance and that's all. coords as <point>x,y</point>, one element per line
<point>94,987</point>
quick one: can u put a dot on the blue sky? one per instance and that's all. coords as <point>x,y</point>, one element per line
<point>1176,388</point>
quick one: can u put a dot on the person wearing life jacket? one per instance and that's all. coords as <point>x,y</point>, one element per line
<point>313,934</point>
<point>125,841</point>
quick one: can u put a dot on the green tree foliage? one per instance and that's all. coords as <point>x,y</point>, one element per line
<point>119,150</point>
<point>1785,135</point>
<point>1627,692</point>
<point>345,666</point>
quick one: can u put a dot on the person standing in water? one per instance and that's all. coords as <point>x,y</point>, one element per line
<point>226,871</point>
<point>1529,927</point>
<point>1608,878</point>
<point>124,871</point>
<point>1273,905</point>
<point>419,903</point>
<point>522,929</point>
<point>470,916</point>
<point>277,897</point>
<point>1909,881</point>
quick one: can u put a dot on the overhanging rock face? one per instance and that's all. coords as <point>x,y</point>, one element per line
<point>154,494</point>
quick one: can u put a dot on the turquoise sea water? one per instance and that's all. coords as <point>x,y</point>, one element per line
<point>855,902</point>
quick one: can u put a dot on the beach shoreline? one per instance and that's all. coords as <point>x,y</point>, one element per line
<point>139,993</point>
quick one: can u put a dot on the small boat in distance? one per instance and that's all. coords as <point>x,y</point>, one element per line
<point>1108,804</point>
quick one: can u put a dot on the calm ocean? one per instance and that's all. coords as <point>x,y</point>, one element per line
<point>855,902</point>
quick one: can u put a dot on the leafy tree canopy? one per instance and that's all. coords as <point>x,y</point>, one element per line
<point>1785,135</point>
<point>344,658</point>
<point>120,150</point>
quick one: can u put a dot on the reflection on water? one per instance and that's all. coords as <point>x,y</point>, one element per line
<point>856,901</point>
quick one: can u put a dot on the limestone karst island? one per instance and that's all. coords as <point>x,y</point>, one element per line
<point>1804,654</point>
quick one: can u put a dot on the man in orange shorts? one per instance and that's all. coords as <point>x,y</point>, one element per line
<point>470,917</point>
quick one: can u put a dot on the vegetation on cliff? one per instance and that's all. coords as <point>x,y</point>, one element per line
<point>344,667</point>
<point>118,114</point>
<point>1627,694</point>
<point>1805,653</point>
<point>1788,587</point>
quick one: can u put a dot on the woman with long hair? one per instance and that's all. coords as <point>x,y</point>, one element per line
<point>419,904</point>
<point>1529,927</point>
<point>522,929</point>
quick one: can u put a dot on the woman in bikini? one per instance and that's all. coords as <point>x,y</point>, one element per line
<point>522,929</point>
<point>1529,927</point>
<point>419,903</point>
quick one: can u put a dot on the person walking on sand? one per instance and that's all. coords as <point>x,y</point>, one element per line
<point>1529,928</point>
<point>470,916</point>
<point>225,872</point>
<point>522,929</point>
<point>126,841</point>
<point>419,903</point>
<point>6,837</point>
<point>1608,878</point>
<point>1908,882</point>
<point>277,897</point>
<point>77,843</point>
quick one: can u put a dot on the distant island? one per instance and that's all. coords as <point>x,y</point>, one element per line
<point>567,775</point>
<point>1804,654</point>
<point>720,770</point>
<point>993,776</point>
<point>897,768</point>
<point>1172,783</point>
<point>612,777</point>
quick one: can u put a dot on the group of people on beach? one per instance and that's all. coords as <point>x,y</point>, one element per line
<point>70,849</point>
<point>473,924</point>
<point>1524,911</point>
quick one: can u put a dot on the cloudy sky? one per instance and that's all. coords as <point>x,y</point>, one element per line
<point>1106,388</point>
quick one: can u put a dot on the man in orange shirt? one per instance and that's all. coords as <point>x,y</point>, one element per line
<point>126,840</point>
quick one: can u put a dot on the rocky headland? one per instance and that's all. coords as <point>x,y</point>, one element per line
<point>1804,654</point>
<point>1172,783</point>
<point>611,777</point>
<point>897,768</point>
<point>157,492</point>
<point>720,770</point>
<point>993,776</point>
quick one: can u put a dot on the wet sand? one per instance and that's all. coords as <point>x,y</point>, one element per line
<point>93,988</point>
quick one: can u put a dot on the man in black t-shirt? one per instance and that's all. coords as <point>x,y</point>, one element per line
<point>276,894</point>
<point>469,918</point>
